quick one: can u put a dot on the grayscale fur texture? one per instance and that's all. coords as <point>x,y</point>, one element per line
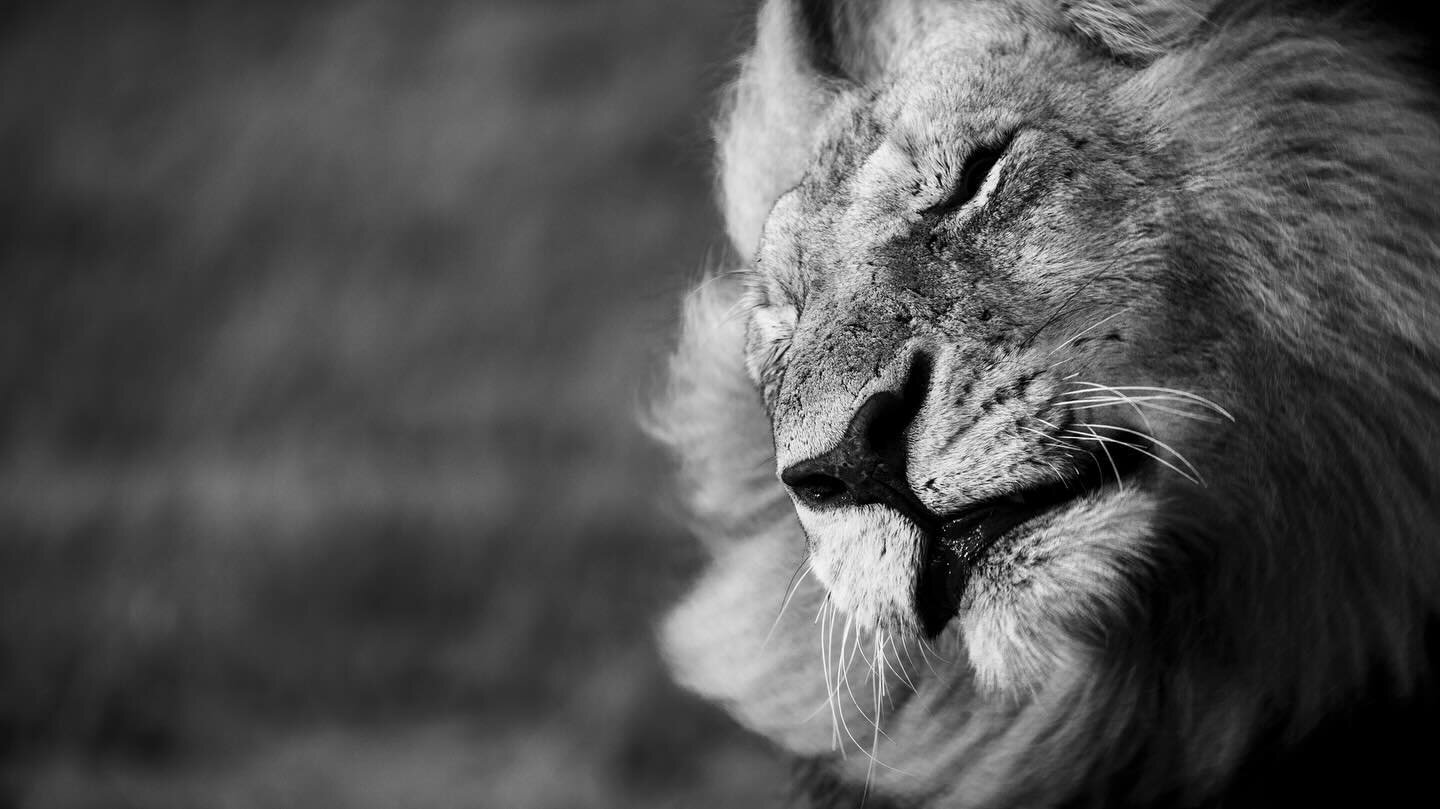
<point>1215,228</point>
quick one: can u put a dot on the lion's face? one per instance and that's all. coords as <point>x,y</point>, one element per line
<point>1089,344</point>
<point>963,324</point>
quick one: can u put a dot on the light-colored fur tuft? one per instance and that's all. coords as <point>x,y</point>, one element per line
<point>1138,29</point>
<point>713,419</point>
<point>767,127</point>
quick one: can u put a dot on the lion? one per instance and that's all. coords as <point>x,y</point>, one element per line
<point>1071,433</point>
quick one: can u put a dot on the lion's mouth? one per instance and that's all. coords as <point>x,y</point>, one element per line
<point>960,540</point>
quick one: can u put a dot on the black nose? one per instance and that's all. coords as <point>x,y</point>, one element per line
<point>867,465</point>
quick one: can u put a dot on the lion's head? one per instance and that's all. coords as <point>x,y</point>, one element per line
<point>1084,388</point>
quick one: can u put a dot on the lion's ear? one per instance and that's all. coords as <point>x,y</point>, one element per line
<point>806,53</point>
<point>1137,30</point>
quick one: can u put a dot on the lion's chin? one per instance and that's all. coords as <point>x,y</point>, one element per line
<point>868,558</point>
<point>1030,607</point>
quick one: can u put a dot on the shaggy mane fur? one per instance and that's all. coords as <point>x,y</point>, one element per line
<point>1266,208</point>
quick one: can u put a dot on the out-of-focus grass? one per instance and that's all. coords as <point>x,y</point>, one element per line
<point>323,330</point>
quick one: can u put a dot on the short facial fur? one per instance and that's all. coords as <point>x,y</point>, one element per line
<point>1201,254</point>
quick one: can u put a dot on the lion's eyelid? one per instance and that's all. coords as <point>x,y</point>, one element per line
<point>980,164</point>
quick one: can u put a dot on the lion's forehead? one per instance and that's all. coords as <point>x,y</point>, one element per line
<point>881,152</point>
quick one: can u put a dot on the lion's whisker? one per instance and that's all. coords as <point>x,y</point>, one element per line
<point>854,700</point>
<point>1194,475</point>
<point>1115,399</point>
<point>1184,394</point>
<point>1064,305</point>
<point>1047,463</point>
<point>827,641</point>
<point>1097,324</point>
<point>1106,440</point>
<point>897,666</point>
<point>796,579</point>
<point>1146,401</point>
<point>843,662</point>
<point>1149,401</point>
<point>905,647</point>
<point>1119,483</point>
<point>875,736</point>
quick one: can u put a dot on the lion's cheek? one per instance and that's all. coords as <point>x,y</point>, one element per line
<point>868,558</point>
<point>1038,606</point>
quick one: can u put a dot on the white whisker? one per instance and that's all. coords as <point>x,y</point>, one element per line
<point>789,596</point>
<point>1097,324</point>
<point>1183,394</point>
<point>1105,440</point>
<point>1058,429</point>
<point>843,663</point>
<point>827,642</point>
<point>1120,484</point>
<point>897,666</point>
<point>1150,403</point>
<point>1106,401</point>
<point>1194,473</point>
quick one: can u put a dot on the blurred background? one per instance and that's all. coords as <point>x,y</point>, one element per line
<point>324,332</point>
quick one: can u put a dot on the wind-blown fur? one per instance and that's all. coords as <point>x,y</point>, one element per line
<point>1212,231</point>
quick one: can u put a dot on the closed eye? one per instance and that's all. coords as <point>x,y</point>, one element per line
<point>972,178</point>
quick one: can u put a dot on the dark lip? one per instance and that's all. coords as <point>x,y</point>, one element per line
<point>958,542</point>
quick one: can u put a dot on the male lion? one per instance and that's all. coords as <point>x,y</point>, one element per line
<point>1081,404</point>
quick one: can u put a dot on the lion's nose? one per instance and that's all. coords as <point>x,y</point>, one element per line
<point>867,465</point>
